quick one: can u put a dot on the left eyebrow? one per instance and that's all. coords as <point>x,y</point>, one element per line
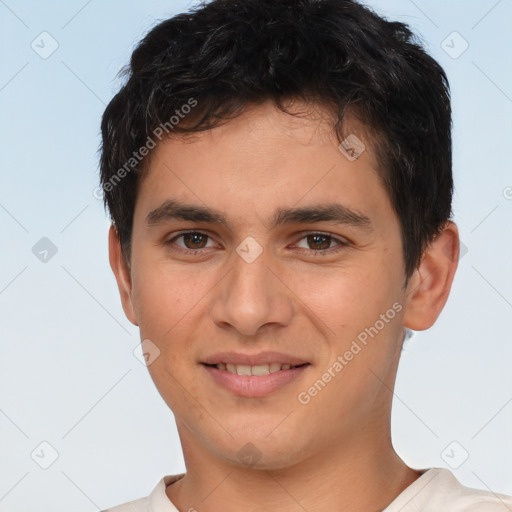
<point>337,213</point>
<point>334,212</point>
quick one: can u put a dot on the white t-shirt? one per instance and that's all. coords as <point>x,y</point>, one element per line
<point>436,490</point>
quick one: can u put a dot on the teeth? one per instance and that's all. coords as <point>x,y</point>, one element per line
<point>275,367</point>
<point>243,369</point>
<point>262,369</point>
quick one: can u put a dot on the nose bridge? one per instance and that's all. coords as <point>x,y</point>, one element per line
<point>250,296</point>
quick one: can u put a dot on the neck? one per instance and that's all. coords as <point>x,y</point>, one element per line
<point>356,476</point>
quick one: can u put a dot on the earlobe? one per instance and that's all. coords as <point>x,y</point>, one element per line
<point>122,274</point>
<point>429,287</point>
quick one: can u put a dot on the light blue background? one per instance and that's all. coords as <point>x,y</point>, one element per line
<point>68,375</point>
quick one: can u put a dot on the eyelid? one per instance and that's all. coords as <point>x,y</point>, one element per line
<point>338,238</point>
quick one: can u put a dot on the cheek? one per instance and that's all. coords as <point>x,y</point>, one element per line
<point>343,297</point>
<point>168,306</point>
<point>167,295</point>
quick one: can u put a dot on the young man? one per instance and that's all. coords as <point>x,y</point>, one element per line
<point>278,173</point>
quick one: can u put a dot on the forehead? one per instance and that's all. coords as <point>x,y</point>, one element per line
<point>264,159</point>
<point>306,124</point>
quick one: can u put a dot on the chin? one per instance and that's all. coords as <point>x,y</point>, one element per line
<point>261,453</point>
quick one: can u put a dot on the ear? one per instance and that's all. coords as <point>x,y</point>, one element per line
<point>429,286</point>
<point>122,274</point>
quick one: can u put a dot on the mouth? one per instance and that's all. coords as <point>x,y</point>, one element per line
<point>256,370</point>
<point>254,376</point>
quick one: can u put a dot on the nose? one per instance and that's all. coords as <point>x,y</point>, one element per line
<point>252,297</point>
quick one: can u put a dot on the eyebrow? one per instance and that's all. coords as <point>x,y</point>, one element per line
<point>333,212</point>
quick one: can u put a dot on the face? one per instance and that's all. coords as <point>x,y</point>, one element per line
<point>267,273</point>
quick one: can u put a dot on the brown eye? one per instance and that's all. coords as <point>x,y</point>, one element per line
<point>191,242</point>
<point>194,240</point>
<point>321,244</point>
<point>319,241</point>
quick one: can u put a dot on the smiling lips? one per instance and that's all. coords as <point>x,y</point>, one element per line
<point>254,375</point>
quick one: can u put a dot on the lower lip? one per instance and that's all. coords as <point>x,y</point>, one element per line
<point>254,385</point>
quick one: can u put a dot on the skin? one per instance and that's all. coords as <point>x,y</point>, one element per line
<point>335,452</point>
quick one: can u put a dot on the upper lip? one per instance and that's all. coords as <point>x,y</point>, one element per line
<point>253,359</point>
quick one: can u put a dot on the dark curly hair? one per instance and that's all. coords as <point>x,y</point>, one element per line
<point>225,55</point>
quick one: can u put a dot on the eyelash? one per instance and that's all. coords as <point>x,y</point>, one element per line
<point>341,244</point>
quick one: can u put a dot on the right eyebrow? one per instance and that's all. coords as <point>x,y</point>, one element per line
<point>173,210</point>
